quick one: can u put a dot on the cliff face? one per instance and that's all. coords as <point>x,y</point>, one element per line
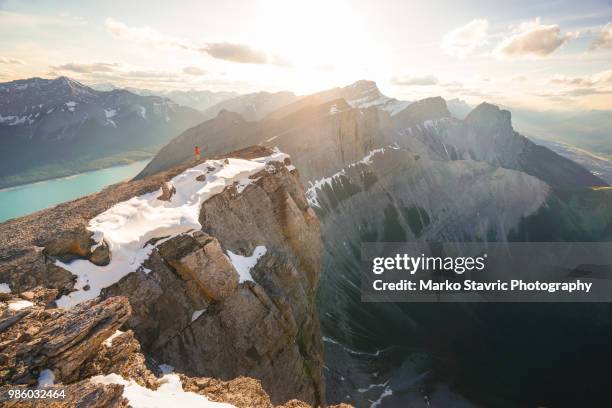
<point>228,291</point>
<point>81,353</point>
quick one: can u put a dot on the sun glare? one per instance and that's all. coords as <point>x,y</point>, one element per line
<point>330,42</point>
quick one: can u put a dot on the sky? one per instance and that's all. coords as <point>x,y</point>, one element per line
<point>542,55</point>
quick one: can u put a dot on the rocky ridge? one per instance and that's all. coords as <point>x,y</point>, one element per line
<point>209,302</point>
<point>79,350</point>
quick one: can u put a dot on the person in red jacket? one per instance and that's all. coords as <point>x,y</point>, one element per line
<point>196,151</point>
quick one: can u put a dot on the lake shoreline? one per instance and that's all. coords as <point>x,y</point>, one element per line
<point>121,163</point>
<point>105,163</point>
<point>25,199</point>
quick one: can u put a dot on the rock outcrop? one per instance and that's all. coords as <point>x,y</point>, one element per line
<point>232,298</point>
<point>81,353</point>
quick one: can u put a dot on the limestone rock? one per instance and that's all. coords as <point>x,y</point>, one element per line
<point>34,338</point>
<point>205,264</point>
<point>101,255</point>
<point>83,394</point>
<point>167,192</point>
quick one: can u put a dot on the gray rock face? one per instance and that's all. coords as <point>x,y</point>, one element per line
<point>75,348</point>
<point>487,135</point>
<point>192,305</point>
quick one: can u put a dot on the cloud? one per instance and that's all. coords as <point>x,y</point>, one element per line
<point>14,20</point>
<point>533,39</point>
<point>427,80</point>
<point>87,68</point>
<point>572,93</point>
<point>195,71</point>
<point>235,53</point>
<point>227,51</point>
<point>604,39</point>
<point>464,40</point>
<point>597,84</point>
<point>144,35</point>
<point>137,78</point>
<point>598,79</point>
<point>9,60</point>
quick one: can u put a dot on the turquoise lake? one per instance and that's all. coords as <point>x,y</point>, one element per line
<point>26,199</point>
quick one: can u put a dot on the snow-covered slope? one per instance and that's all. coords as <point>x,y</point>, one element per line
<point>132,229</point>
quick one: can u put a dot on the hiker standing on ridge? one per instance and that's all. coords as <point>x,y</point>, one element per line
<point>196,151</point>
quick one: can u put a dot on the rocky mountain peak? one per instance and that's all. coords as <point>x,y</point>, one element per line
<point>490,116</point>
<point>424,109</point>
<point>228,117</point>
<point>364,85</point>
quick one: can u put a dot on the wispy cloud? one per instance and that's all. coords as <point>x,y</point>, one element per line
<point>600,78</point>
<point>576,86</point>
<point>195,71</point>
<point>604,39</point>
<point>239,53</point>
<point>464,40</point>
<point>9,60</point>
<point>235,53</point>
<point>86,68</point>
<point>533,39</point>
<point>10,19</point>
<point>144,35</point>
<point>426,80</point>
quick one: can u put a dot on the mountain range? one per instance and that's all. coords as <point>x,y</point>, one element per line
<point>196,99</point>
<point>376,170</point>
<point>57,127</point>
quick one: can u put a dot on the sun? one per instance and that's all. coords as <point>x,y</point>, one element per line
<point>328,37</point>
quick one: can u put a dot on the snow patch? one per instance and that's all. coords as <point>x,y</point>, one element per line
<point>46,378</point>
<point>244,264</point>
<point>197,314</point>
<point>166,368</point>
<point>129,227</point>
<point>386,393</point>
<point>5,288</point>
<point>109,113</point>
<point>109,342</point>
<point>311,192</point>
<point>169,394</point>
<point>20,304</point>
<point>71,105</point>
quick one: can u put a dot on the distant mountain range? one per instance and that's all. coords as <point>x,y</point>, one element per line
<point>200,100</point>
<point>56,127</point>
<point>330,129</point>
